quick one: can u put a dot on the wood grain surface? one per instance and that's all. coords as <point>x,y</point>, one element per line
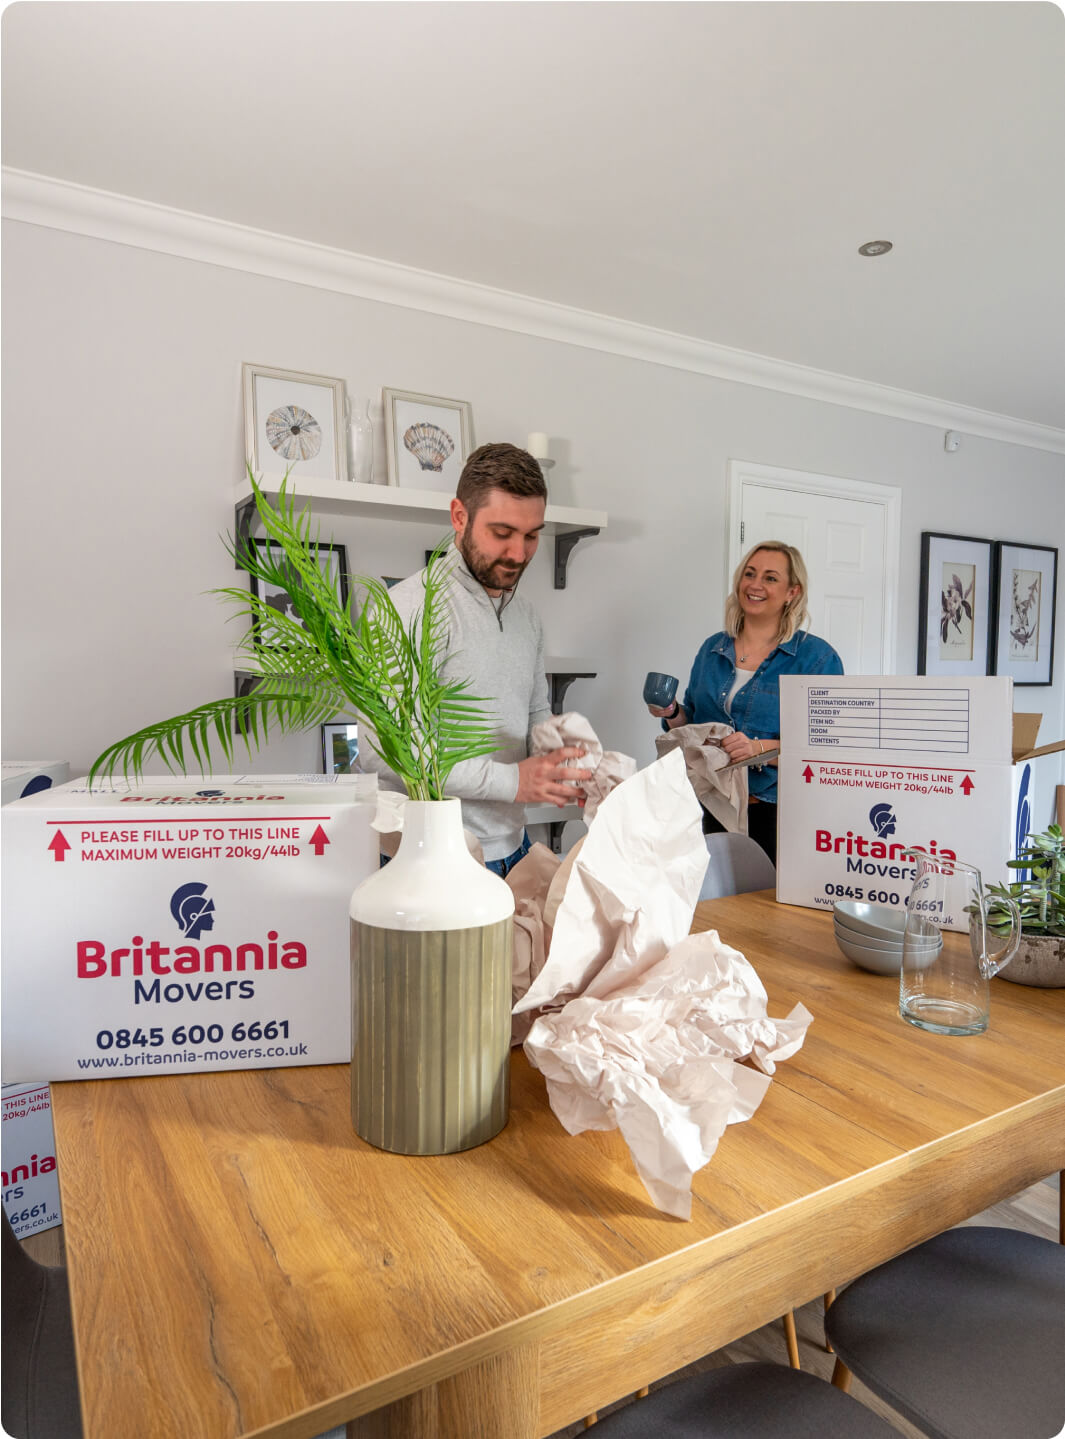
<point>242,1264</point>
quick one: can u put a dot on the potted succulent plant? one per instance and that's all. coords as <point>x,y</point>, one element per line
<point>1040,957</point>
<point>432,931</point>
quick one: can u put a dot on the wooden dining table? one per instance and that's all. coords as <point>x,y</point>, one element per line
<point>241,1263</point>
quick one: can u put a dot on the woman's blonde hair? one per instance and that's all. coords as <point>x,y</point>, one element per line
<point>795,611</point>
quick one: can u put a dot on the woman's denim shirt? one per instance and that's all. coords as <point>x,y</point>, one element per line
<point>756,708</point>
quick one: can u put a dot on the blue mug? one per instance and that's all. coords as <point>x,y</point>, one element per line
<point>660,690</point>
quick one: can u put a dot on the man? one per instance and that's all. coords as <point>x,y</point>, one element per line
<point>495,642</point>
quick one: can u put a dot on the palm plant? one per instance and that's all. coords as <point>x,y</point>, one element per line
<point>323,664</point>
<point>1040,898</point>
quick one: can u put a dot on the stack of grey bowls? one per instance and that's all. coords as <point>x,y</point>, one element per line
<point>871,935</point>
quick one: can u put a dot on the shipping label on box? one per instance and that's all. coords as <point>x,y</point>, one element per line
<point>177,926</point>
<point>871,767</point>
<point>31,1181</point>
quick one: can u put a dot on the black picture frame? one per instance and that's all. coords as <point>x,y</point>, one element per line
<point>340,747</point>
<point>1025,606</point>
<point>955,634</point>
<point>279,598</point>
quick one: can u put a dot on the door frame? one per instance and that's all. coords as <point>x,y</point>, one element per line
<point>889,497</point>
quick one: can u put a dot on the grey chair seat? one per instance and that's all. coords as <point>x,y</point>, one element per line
<point>745,1401</point>
<point>737,865</point>
<point>964,1335</point>
<point>40,1382</point>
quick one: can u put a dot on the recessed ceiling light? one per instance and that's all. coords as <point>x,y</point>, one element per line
<point>875,247</point>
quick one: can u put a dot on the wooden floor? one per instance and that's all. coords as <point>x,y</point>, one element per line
<point>1035,1210</point>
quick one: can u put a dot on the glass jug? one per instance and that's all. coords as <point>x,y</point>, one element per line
<point>946,961</point>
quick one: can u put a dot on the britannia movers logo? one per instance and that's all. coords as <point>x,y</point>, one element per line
<point>193,911</point>
<point>880,856</point>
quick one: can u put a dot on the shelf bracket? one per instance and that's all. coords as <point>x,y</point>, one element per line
<point>560,683</point>
<point>564,543</point>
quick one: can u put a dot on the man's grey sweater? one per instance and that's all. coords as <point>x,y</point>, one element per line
<point>497,645</point>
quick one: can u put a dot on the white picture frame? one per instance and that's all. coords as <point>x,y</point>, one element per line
<point>318,454</point>
<point>422,460</point>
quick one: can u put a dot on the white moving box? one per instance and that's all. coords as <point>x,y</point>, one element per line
<point>21,777</point>
<point>31,1181</point>
<point>181,925</point>
<point>871,765</point>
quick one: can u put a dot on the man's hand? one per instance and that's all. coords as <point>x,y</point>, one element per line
<point>547,779</point>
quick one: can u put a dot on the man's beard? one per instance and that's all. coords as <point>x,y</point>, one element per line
<point>493,574</point>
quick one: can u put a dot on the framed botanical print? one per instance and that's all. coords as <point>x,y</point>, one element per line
<point>956,622</point>
<point>1025,602</point>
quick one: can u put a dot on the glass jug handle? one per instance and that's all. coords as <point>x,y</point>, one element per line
<point>992,963</point>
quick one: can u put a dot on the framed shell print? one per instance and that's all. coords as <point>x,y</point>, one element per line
<point>428,439</point>
<point>294,421</point>
<point>1027,577</point>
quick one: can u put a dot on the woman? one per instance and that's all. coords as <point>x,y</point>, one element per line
<point>736,674</point>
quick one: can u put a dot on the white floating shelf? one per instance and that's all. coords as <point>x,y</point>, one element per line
<point>394,502</point>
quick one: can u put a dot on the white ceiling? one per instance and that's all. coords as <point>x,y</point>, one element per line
<point>708,169</point>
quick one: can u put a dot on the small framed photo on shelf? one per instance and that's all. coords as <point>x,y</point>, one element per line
<point>333,560</point>
<point>294,421</point>
<point>340,748</point>
<point>956,621</point>
<point>428,439</point>
<point>1026,592</point>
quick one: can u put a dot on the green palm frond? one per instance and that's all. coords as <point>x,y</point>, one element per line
<point>323,663</point>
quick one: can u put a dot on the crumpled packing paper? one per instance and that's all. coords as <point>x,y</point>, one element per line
<point>641,1026</point>
<point>610,767</point>
<point>722,791</point>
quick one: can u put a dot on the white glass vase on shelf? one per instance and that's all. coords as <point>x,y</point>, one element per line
<point>360,441</point>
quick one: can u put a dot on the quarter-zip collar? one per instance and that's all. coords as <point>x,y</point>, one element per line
<point>472,585</point>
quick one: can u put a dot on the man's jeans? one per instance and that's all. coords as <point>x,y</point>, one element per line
<point>502,867</point>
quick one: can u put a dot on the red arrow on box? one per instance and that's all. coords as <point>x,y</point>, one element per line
<point>59,846</point>
<point>807,774</point>
<point>967,785</point>
<point>318,841</point>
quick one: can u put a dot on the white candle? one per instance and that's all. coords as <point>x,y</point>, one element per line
<point>536,444</point>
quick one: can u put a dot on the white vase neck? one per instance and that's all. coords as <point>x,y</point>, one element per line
<point>435,824</point>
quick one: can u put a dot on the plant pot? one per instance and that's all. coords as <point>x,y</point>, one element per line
<point>1039,961</point>
<point>431,945</point>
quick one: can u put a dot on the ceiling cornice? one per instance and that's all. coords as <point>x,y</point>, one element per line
<point>79,209</point>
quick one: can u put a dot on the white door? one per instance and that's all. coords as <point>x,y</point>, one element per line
<point>848,534</point>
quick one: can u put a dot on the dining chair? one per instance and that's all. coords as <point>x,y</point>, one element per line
<point>964,1335</point>
<point>737,865</point>
<point>39,1379</point>
<point>746,1401</point>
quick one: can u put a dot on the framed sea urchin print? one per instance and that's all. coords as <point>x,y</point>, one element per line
<point>956,624</point>
<point>294,421</point>
<point>1025,596</point>
<point>428,439</point>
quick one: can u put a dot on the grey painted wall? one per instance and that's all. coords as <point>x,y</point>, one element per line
<point>123,437</point>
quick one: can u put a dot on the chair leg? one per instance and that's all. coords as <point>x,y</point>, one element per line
<point>591,1419</point>
<point>830,1299</point>
<point>791,1339</point>
<point>842,1376</point>
<point>643,1393</point>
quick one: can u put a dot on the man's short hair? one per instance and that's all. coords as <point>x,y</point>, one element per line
<point>499,467</point>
